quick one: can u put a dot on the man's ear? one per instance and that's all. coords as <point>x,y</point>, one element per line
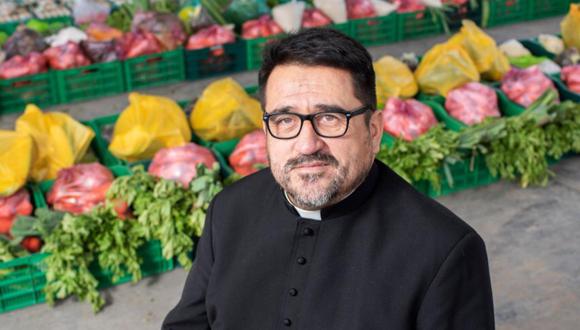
<point>376,129</point>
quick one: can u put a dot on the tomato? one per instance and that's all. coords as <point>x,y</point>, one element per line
<point>32,244</point>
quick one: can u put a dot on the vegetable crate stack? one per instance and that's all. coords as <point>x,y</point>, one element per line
<point>499,12</point>
<point>547,8</point>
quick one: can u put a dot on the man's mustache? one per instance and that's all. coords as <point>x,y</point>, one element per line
<point>316,157</point>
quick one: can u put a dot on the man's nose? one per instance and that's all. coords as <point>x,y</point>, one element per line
<point>308,142</point>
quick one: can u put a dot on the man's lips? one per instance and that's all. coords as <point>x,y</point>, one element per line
<point>311,165</point>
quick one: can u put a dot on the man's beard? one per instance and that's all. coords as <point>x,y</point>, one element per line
<point>300,193</point>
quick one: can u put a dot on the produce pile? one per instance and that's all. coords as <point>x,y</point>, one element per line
<point>90,196</point>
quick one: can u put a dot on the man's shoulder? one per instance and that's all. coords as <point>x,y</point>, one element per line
<point>417,214</point>
<point>248,188</point>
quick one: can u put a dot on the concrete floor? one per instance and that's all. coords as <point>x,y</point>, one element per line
<point>531,236</point>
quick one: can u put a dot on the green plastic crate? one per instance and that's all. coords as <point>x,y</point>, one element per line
<point>345,28</point>
<point>547,8</point>
<point>457,13</point>
<point>254,49</point>
<point>418,24</point>
<point>9,27</point>
<point>215,61</point>
<point>21,282</point>
<point>375,30</point>
<point>154,69</point>
<point>101,144</point>
<point>500,12</point>
<point>466,174</point>
<point>564,91</point>
<point>537,49</point>
<point>16,93</point>
<point>90,82</point>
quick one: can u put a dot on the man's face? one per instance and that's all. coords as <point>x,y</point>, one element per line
<point>315,171</point>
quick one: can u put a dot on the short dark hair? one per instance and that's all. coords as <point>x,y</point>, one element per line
<point>323,47</point>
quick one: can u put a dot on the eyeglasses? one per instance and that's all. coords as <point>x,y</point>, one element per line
<point>328,124</point>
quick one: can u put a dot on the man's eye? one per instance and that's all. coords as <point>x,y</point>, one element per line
<point>284,120</point>
<point>329,118</point>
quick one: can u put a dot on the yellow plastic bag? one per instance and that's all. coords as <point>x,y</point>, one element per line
<point>444,67</point>
<point>59,141</point>
<point>393,79</point>
<point>148,124</point>
<point>225,111</point>
<point>491,63</point>
<point>570,27</point>
<point>15,158</point>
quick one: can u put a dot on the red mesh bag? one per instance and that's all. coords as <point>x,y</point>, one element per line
<point>12,206</point>
<point>571,76</point>
<point>250,151</point>
<point>524,86</point>
<point>179,163</point>
<point>407,119</point>
<point>472,103</point>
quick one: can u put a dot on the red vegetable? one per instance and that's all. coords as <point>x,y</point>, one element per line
<point>137,44</point>
<point>360,9</point>
<point>571,76</point>
<point>407,119</point>
<point>179,163</point>
<point>314,18</point>
<point>264,26</point>
<point>211,36</point>
<point>250,151</point>
<point>524,86</point>
<point>407,6</point>
<point>31,244</point>
<point>19,66</point>
<point>472,103</point>
<point>12,206</point>
<point>66,56</point>
<point>79,188</point>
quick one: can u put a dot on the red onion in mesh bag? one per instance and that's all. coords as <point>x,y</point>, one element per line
<point>79,188</point>
<point>213,35</point>
<point>12,206</point>
<point>67,56</point>
<point>250,151</point>
<point>571,76</point>
<point>179,163</point>
<point>264,26</point>
<point>360,9</point>
<point>407,119</point>
<point>524,86</point>
<point>472,103</point>
<point>314,18</point>
<point>19,66</point>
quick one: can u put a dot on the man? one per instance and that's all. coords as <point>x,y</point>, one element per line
<point>328,237</point>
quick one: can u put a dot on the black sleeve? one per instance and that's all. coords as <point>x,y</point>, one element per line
<point>459,296</point>
<point>190,313</point>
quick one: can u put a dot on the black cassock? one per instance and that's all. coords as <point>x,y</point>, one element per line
<point>386,257</point>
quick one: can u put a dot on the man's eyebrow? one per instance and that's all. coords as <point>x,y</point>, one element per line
<point>330,107</point>
<point>282,109</point>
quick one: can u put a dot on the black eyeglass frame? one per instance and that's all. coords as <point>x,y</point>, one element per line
<point>310,117</point>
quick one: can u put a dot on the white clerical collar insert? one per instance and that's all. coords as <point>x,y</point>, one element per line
<point>313,215</point>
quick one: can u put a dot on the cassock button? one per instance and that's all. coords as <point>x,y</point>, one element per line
<point>308,231</point>
<point>293,292</point>
<point>287,322</point>
<point>301,260</point>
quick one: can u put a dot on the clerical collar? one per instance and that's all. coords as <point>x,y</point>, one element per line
<point>348,204</point>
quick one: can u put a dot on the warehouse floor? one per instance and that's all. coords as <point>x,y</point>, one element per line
<point>531,235</point>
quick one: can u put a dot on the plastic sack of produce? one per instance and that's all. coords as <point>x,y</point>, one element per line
<point>65,36</point>
<point>445,67</point>
<point>570,27</point>
<point>481,48</point>
<point>77,189</point>
<point>249,153</point>
<point>211,36</point>
<point>552,43</point>
<point>514,48</point>
<point>15,159</point>
<point>360,9</point>
<point>524,86</point>
<point>224,111</point>
<point>102,32</point>
<point>137,44</point>
<point>393,79</point>
<point>407,6</point>
<point>167,28</point>
<point>262,27</point>
<point>179,163</point>
<point>407,119</point>
<point>87,11</point>
<point>240,11</point>
<point>472,103</point>
<point>59,141</point>
<point>195,18</point>
<point>499,68</point>
<point>335,9</point>
<point>148,124</point>
<point>314,18</point>
<point>571,76</point>
<point>13,206</point>
<point>24,42</point>
<point>289,15</point>
<point>19,66</point>
<point>67,56</point>
<point>100,51</point>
